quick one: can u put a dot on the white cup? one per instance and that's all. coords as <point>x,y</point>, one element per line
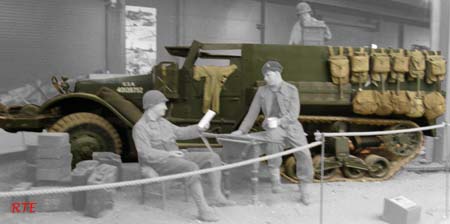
<point>206,119</point>
<point>272,122</point>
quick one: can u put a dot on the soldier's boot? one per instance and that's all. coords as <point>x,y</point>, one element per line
<point>276,181</point>
<point>205,212</point>
<point>218,199</point>
<point>305,196</point>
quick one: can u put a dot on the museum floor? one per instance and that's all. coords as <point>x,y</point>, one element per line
<point>344,203</point>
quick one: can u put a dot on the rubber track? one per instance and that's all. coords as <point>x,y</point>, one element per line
<point>395,165</point>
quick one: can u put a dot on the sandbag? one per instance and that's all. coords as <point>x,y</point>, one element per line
<point>416,65</point>
<point>365,102</point>
<point>384,103</point>
<point>417,108</point>
<point>400,102</point>
<point>434,105</point>
<point>124,106</point>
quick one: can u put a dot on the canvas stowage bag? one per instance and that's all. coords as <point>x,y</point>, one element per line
<point>359,66</point>
<point>365,102</point>
<point>417,108</point>
<point>384,103</point>
<point>416,65</point>
<point>400,65</point>
<point>381,66</point>
<point>434,105</point>
<point>400,102</point>
<point>339,67</point>
<point>436,68</point>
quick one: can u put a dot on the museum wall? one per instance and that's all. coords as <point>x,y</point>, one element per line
<point>416,35</point>
<point>221,21</point>
<point>42,38</point>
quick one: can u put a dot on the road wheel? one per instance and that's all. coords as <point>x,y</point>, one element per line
<point>290,168</point>
<point>378,166</point>
<point>403,144</point>
<point>351,172</point>
<point>327,174</point>
<point>88,133</point>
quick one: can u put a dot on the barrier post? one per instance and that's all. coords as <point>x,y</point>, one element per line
<point>446,170</point>
<point>321,137</point>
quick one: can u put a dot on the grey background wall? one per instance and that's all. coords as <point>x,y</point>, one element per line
<point>42,38</point>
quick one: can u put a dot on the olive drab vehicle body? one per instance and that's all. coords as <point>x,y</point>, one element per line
<point>99,114</point>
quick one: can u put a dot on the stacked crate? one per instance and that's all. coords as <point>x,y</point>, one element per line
<point>80,177</point>
<point>98,202</point>
<point>31,159</point>
<point>53,159</point>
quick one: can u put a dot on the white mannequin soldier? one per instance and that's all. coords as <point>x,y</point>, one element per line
<point>280,102</point>
<point>304,16</point>
<point>155,140</point>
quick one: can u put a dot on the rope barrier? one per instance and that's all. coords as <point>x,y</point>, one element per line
<point>319,138</point>
<point>155,179</point>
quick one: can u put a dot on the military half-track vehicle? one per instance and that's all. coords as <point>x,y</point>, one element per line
<point>99,114</point>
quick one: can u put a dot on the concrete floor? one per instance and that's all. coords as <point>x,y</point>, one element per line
<point>344,203</point>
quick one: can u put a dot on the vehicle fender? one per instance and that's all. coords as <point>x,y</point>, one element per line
<point>84,97</point>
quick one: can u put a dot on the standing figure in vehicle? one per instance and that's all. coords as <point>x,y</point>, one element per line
<point>299,34</point>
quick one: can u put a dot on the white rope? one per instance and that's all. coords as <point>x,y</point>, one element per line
<point>155,179</point>
<point>371,133</point>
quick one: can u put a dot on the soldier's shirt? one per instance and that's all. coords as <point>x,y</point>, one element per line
<point>289,110</point>
<point>274,96</point>
<point>155,138</point>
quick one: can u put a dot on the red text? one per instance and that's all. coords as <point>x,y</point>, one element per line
<point>23,207</point>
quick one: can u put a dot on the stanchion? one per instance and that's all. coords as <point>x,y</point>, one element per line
<point>446,170</point>
<point>320,137</point>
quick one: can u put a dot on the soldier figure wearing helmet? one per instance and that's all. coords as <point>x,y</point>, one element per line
<point>280,104</point>
<point>304,17</point>
<point>155,140</point>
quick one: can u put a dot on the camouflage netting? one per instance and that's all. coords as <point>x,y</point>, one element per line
<point>33,93</point>
<point>3,108</point>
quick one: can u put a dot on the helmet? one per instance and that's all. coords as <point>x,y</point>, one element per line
<point>271,66</point>
<point>303,7</point>
<point>152,98</point>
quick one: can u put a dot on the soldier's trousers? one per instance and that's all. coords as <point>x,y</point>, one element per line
<point>191,161</point>
<point>304,169</point>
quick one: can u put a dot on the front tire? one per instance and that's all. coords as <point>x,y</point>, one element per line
<point>88,133</point>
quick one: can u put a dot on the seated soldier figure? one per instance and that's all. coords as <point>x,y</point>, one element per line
<point>155,140</point>
<point>279,101</point>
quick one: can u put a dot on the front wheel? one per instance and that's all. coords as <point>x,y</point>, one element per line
<point>88,133</point>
